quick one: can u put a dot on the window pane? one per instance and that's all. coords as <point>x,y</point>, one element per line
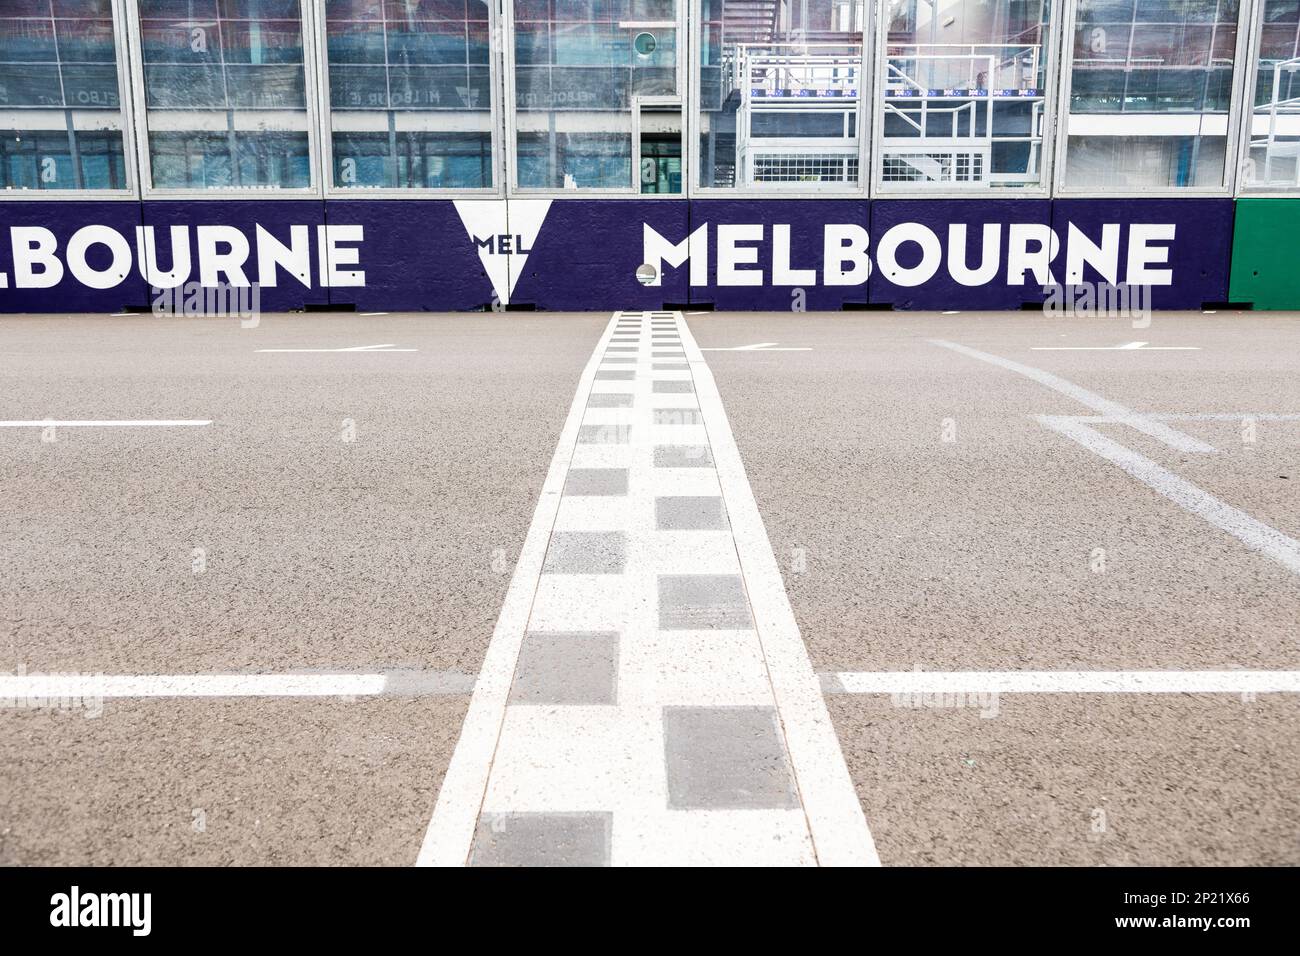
<point>225,94</point>
<point>1150,92</point>
<point>582,68</point>
<point>779,94</point>
<point>63,124</point>
<point>410,94</point>
<point>963,90</point>
<point>1273,160</point>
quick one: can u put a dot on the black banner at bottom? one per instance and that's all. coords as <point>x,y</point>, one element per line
<point>865,907</point>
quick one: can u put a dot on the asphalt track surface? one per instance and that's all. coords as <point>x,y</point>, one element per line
<point>362,513</point>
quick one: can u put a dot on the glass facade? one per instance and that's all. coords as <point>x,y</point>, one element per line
<point>63,125</point>
<point>410,93</point>
<point>962,94</point>
<point>591,79</point>
<point>225,94</point>
<point>781,94</point>
<point>591,97</point>
<point>1150,93</point>
<point>1273,127</point>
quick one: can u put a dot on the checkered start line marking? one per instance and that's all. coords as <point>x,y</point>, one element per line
<point>646,698</point>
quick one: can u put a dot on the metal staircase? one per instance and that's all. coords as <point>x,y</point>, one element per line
<point>751,21</point>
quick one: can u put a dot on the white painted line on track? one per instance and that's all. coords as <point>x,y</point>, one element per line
<point>448,838</point>
<point>389,347</point>
<point>108,423</point>
<point>760,347</point>
<point>835,819</point>
<point>1129,347</point>
<point>1063,682</point>
<point>1253,533</point>
<point>1143,423</point>
<point>415,683</point>
<point>1192,417</point>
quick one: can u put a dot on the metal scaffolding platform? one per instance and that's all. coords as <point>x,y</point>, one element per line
<point>797,121</point>
<point>961,114</point>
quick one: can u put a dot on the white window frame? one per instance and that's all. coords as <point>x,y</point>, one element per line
<point>633,189</point>
<point>1053,44</point>
<point>865,128</point>
<point>1247,107</point>
<point>1233,118</point>
<point>126,113</point>
<point>326,128</point>
<point>310,97</point>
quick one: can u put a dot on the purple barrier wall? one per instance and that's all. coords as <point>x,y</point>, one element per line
<point>573,254</point>
<point>782,255</point>
<point>1190,239</point>
<point>585,254</point>
<point>287,280</point>
<point>418,255</point>
<point>35,272</point>
<point>962,254</point>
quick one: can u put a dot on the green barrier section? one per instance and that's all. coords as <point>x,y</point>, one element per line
<point>1265,256</point>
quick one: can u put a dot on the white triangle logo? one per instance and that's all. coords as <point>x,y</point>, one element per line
<point>501,229</point>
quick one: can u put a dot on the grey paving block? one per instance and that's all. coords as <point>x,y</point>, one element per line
<point>683,456</point>
<point>690,513</point>
<point>677,416</point>
<point>586,552</point>
<point>609,400</point>
<point>604,434</point>
<point>726,758</point>
<point>615,375</point>
<point>542,839</point>
<point>596,481</point>
<point>567,667</point>
<point>695,602</point>
<point>672,387</point>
